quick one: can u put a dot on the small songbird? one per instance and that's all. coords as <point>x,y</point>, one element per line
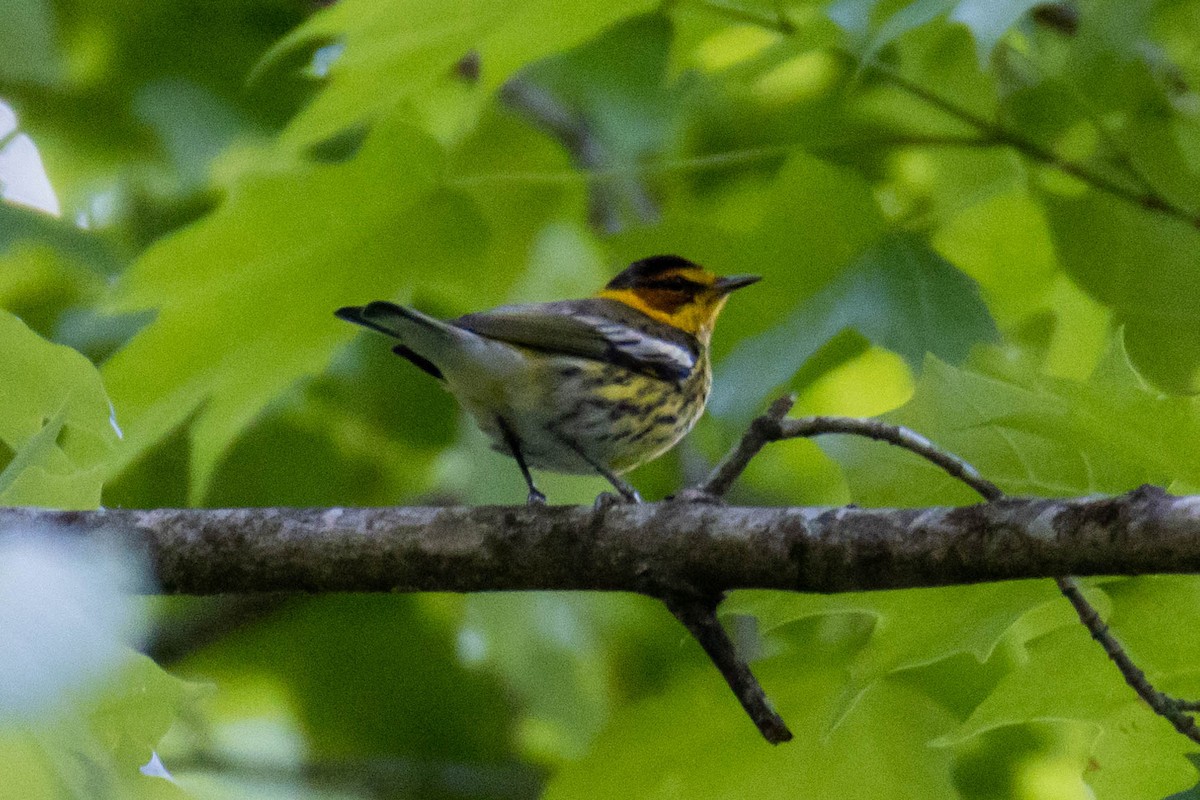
<point>599,385</point>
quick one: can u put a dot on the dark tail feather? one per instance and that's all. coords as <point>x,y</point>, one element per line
<point>355,314</point>
<point>363,315</point>
<point>419,361</point>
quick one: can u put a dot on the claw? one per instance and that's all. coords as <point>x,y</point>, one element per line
<point>605,501</point>
<point>535,498</point>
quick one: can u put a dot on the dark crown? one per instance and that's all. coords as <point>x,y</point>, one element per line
<point>641,271</point>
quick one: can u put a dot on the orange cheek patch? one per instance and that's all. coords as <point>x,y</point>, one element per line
<point>662,300</point>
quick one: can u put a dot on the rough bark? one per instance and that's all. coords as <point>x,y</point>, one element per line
<point>655,548</point>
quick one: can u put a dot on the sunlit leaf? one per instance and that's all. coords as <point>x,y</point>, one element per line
<point>1030,435</point>
<point>1143,266</point>
<point>301,244</point>
<point>394,50</point>
<point>899,294</point>
<point>55,422</point>
<point>694,741</point>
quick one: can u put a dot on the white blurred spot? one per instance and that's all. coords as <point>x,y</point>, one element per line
<point>112,420</point>
<point>154,768</point>
<point>323,59</point>
<point>66,617</point>
<point>472,646</point>
<point>22,177</point>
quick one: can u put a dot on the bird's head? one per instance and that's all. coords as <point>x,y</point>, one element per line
<point>675,291</point>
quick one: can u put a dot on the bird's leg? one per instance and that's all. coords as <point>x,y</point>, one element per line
<point>621,485</point>
<point>628,493</point>
<point>535,498</point>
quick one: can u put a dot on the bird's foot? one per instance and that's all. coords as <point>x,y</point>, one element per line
<point>535,498</point>
<point>606,500</point>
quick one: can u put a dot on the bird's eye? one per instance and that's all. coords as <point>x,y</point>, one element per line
<point>674,283</point>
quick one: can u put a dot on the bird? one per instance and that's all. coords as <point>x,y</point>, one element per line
<point>597,385</point>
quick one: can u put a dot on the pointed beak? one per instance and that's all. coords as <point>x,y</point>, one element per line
<point>731,282</point>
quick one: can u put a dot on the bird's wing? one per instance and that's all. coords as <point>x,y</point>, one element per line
<point>598,329</point>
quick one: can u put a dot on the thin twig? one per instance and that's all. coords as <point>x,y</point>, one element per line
<point>1165,706</point>
<point>761,432</point>
<point>699,616</point>
<point>772,427</point>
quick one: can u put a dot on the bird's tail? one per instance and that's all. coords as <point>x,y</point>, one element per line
<point>429,343</point>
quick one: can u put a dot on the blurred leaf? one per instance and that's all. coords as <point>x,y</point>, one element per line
<point>558,653</point>
<point>396,50</point>
<point>910,629</point>
<point>1143,266</point>
<point>67,616</point>
<point>1067,679</point>
<point>18,223</point>
<point>233,345</point>
<point>365,433</point>
<point>40,286</point>
<point>1004,245</point>
<point>797,227</point>
<point>28,51</point>
<point>618,112</point>
<point>376,678</point>
<point>56,423</point>
<point>694,740</point>
<point>989,21</point>
<point>98,747</point>
<point>89,120</point>
<point>899,294</point>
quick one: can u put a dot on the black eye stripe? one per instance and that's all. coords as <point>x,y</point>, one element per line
<point>675,282</point>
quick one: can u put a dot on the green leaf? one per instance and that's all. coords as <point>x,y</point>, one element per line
<point>694,741</point>
<point>899,294</point>
<point>1152,637</point>
<point>987,20</point>
<point>367,676</point>
<point>245,297</point>
<point>28,52</point>
<point>97,748</point>
<point>18,224</point>
<point>55,422</point>
<point>911,628</point>
<point>1143,266</point>
<point>1029,434</point>
<point>752,227</point>
<point>1067,679</point>
<point>549,649</point>
<point>393,51</point>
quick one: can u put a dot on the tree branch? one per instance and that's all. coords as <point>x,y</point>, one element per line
<point>652,548</point>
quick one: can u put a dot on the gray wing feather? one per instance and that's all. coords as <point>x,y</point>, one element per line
<point>597,329</point>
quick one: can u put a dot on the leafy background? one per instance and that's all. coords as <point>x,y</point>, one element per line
<point>975,218</point>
